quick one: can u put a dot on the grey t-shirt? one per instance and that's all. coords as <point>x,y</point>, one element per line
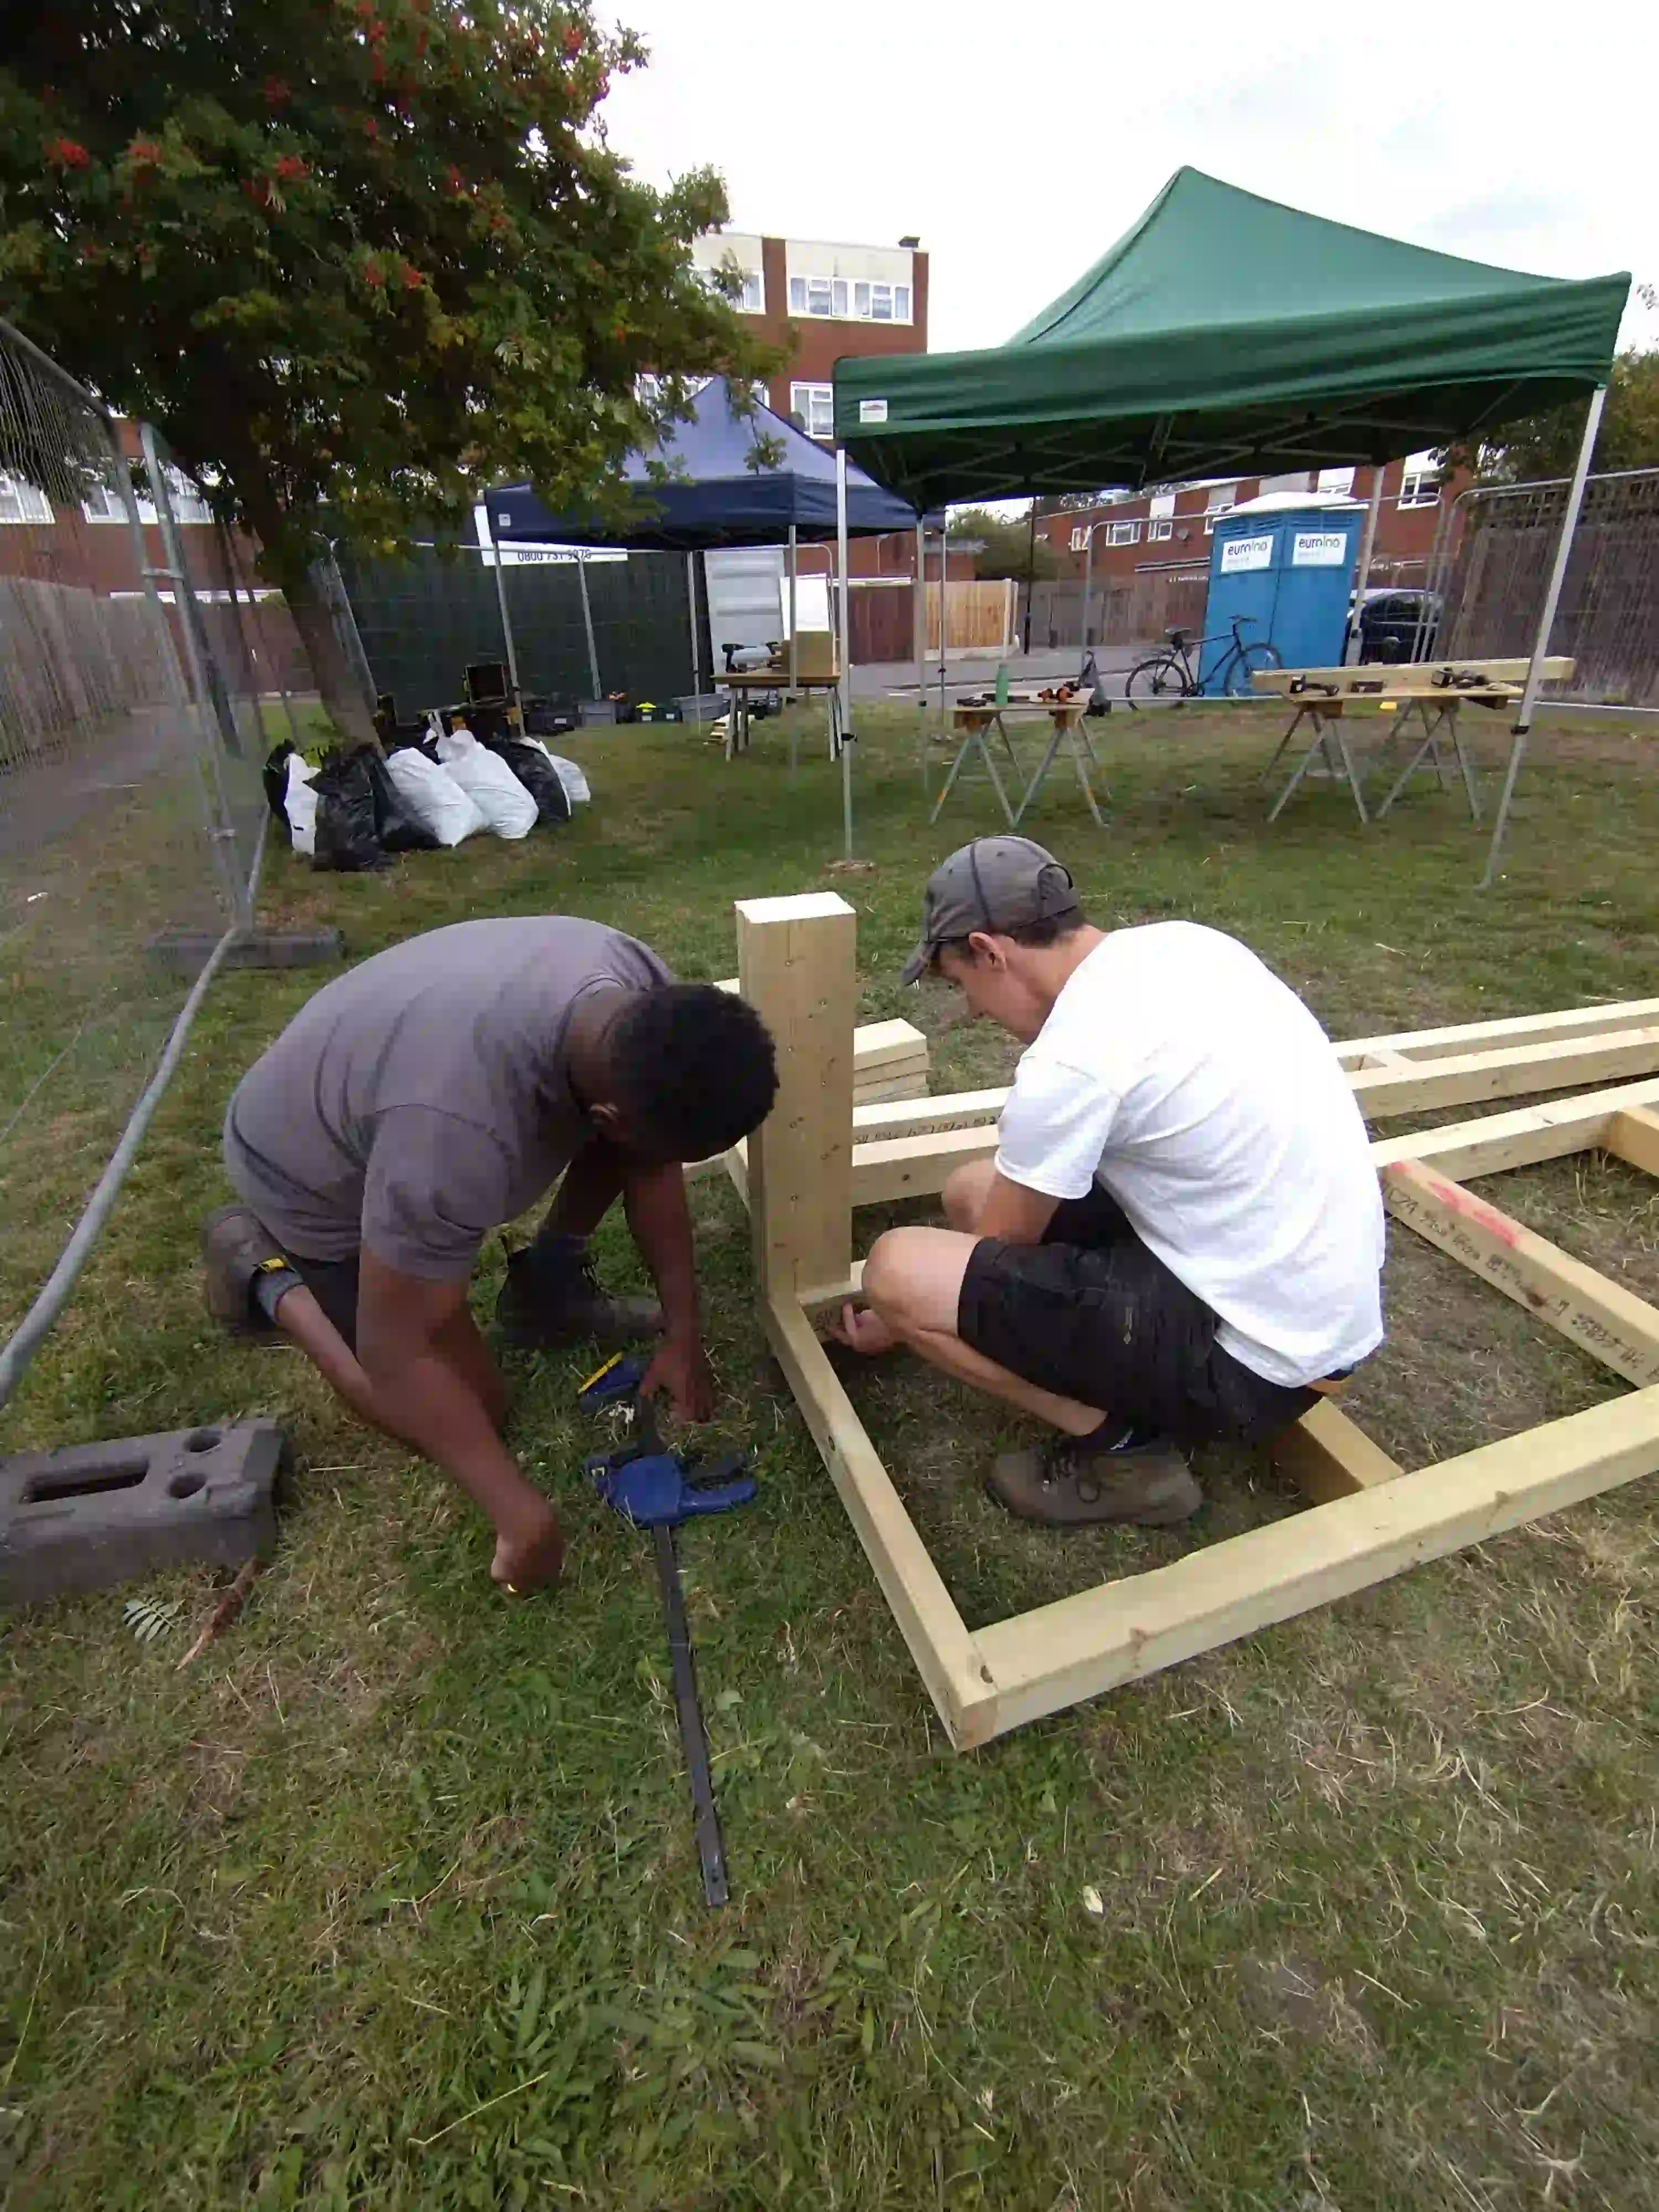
<point>423,1099</point>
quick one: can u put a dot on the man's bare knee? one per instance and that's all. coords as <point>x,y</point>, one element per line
<point>889,1272</point>
<point>966,1190</point>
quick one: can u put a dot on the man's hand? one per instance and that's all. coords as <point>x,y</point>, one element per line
<point>681,1368</point>
<point>862,1330</point>
<point>530,1552</point>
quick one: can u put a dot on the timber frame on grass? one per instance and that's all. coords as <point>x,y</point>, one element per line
<point>1369,1519</point>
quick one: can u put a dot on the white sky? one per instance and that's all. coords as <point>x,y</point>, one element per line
<point>1018,141</point>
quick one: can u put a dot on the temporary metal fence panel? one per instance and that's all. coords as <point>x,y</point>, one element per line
<point>1493,566</point>
<point>425,615</point>
<point>118,819</point>
<point>241,654</point>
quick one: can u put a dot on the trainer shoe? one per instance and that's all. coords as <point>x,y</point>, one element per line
<point>1073,1482</point>
<point>553,1298</point>
<point>235,1247</point>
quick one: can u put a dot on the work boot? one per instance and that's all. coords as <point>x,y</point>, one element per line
<point>236,1248</point>
<point>552,1297</point>
<point>1074,1482</point>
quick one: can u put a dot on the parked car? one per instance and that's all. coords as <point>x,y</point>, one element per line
<point>1390,621</point>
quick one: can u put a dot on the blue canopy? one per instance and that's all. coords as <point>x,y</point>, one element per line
<point>720,497</point>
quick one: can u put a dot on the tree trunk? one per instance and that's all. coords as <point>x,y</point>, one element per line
<point>338,681</point>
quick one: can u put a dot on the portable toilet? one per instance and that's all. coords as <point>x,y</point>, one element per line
<point>1285,561</point>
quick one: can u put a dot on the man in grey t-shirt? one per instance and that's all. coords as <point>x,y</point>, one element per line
<point>438,1091</point>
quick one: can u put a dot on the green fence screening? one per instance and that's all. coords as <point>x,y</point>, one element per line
<point>423,616</point>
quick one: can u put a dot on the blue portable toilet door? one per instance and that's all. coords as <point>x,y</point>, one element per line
<point>1244,581</point>
<point>1315,583</point>
<point>1285,566</point>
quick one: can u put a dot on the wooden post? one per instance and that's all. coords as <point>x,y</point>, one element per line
<point>797,968</point>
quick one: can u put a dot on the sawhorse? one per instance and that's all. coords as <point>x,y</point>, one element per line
<point>1326,715</point>
<point>1444,717</point>
<point>977,722</point>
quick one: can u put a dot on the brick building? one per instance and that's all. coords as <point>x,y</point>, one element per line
<point>819,301</point>
<point>1136,531</point>
<point>88,544</point>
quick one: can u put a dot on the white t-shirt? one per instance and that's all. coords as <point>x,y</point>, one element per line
<point>1178,1072</point>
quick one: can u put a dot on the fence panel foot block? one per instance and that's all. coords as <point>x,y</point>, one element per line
<point>92,1515</point>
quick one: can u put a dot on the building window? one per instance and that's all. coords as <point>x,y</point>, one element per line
<point>103,503</point>
<point>1123,534</point>
<point>814,406</point>
<point>1159,529</point>
<point>1217,502</point>
<point>881,303</point>
<point>1081,537</point>
<point>1420,481</point>
<point>834,297</point>
<point>22,502</point>
<point>818,295</point>
<point>749,299</point>
<point>1337,480</point>
<point>1160,504</point>
<point>186,501</point>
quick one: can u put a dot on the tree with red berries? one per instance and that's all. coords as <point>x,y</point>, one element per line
<point>355,258</point>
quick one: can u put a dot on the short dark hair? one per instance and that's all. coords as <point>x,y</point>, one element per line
<point>1051,929</point>
<point>696,1065</point>
<point>1033,936</point>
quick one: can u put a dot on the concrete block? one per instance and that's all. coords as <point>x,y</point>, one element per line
<point>92,1515</point>
<point>186,950</point>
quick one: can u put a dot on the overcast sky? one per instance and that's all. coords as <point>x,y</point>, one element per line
<point>1018,141</point>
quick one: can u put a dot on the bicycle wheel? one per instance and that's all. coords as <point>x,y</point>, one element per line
<point>1162,679</point>
<point>1246,662</point>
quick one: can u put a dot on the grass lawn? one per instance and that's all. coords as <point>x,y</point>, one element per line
<point>391,1901</point>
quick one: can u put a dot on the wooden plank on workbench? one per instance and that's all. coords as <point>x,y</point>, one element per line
<point>1400,678</point>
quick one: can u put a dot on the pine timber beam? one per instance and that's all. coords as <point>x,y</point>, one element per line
<point>946,1655</point>
<point>1631,1136</point>
<point>1492,1036</point>
<point>796,958</point>
<point>1600,1316</point>
<point>898,1151</point>
<point>1123,1630</point>
<point>1328,1457</point>
<point>1371,680</point>
<point>911,1166</point>
<point>1511,1072</point>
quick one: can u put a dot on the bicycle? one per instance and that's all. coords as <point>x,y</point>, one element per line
<point>1170,675</point>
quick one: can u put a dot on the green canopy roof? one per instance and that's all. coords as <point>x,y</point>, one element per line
<point>1225,335</point>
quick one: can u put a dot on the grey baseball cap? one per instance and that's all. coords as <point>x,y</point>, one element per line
<point>997,885</point>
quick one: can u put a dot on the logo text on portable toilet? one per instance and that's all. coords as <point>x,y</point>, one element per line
<point>1241,554</point>
<point>1319,548</point>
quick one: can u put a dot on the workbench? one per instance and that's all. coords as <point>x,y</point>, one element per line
<point>975,725</point>
<point>741,685</point>
<point>1429,694</point>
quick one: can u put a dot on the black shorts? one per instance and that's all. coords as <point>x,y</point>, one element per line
<point>1091,1313</point>
<point>334,1284</point>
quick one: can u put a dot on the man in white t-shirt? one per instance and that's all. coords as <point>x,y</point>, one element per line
<point>1181,1236</point>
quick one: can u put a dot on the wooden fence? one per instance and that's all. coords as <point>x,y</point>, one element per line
<point>68,658</point>
<point>880,618</point>
<point>1122,611</point>
<point>978,616</point>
